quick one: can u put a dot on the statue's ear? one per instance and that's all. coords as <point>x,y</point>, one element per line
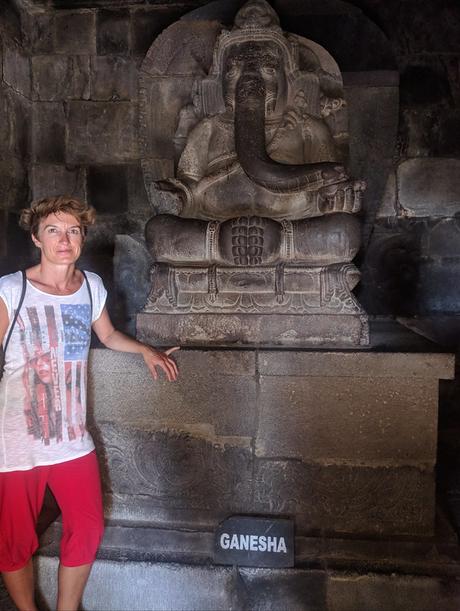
<point>212,98</point>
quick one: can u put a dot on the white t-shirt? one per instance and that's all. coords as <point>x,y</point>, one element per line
<point>43,389</point>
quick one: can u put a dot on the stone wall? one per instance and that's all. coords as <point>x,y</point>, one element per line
<point>15,135</point>
<point>412,264</point>
<point>340,442</point>
<point>69,104</point>
<point>70,92</point>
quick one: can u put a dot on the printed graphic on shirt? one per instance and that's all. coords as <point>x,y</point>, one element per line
<point>54,341</point>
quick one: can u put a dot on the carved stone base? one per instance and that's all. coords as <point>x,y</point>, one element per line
<point>253,329</point>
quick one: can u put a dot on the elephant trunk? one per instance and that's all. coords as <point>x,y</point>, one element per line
<point>251,148</point>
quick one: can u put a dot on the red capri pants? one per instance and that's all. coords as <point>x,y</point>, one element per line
<point>77,489</point>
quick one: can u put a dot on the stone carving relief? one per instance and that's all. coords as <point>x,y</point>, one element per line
<point>176,468</point>
<point>342,498</point>
<point>255,210</point>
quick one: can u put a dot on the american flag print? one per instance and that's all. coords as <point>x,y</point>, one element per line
<point>77,323</point>
<point>55,342</point>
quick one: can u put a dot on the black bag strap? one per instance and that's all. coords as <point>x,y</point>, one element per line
<point>16,314</point>
<point>90,295</point>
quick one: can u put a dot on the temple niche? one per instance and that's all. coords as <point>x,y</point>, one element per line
<point>256,218</point>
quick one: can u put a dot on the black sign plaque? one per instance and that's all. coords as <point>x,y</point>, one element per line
<point>258,542</point>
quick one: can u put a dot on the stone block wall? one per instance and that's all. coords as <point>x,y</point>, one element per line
<point>15,135</point>
<point>341,442</point>
<point>69,91</point>
<point>412,262</point>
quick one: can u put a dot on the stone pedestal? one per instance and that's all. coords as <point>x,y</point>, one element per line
<point>350,330</point>
<point>343,442</point>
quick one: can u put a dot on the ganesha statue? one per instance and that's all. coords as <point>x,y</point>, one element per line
<point>255,225</point>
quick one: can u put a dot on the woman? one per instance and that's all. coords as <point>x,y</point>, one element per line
<point>43,436</point>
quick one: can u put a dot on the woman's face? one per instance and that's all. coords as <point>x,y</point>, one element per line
<point>60,238</point>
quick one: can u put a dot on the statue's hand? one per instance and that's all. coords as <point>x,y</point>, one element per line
<point>172,196</point>
<point>344,197</point>
<point>335,174</point>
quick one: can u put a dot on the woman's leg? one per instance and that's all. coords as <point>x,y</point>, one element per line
<point>76,487</point>
<point>21,497</point>
<point>20,586</point>
<point>71,585</point>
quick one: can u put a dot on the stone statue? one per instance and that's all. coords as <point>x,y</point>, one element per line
<point>260,219</point>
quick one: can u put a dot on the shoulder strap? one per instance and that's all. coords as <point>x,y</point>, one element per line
<point>90,295</point>
<point>16,314</point>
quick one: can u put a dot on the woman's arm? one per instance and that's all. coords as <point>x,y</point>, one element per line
<point>115,340</point>
<point>4,320</point>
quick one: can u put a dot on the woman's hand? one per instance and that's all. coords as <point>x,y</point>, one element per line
<point>154,358</point>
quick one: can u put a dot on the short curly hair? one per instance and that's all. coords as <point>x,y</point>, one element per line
<point>41,208</point>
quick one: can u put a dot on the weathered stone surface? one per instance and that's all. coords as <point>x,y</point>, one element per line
<point>390,270</point>
<point>147,23</point>
<point>140,586</point>
<point>16,69</point>
<point>356,364</point>
<point>75,32</point>
<point>373,124</point>
<point>321,23</point>
<point>38,32</point>
<point>142,543</point>
<point>161,101</point>
<point>437,286</point>
<point>424,81</point>
<point>49,179</point>
<point>442,239</point>
<point>116,585</point>
<point>131,260</point>
<point>449,127</point>
<point>214,387</point>
<point>345,499</point>
<point>177,467</point>
<point>59,77</point>
<point>273,590</point>
<point>13,183</point>
<point>442,328</point>
<point>102,132</point>
<point>427,28</point>
<point>389,204</point>
<point>113,78</point>
<point>358,420</point>
<point>107,188</point>
<point>17,249</point>
<point>16,125</point>
<point>418,132</point>
<point>139,510</point>
<point>137,195</point>
<point>252,329</point>
<point>429,187</point>
<point>5,124</point>
<point>113,32</point>
<point>197,36</point>
<point>395,592</point>
<point>48,137</point>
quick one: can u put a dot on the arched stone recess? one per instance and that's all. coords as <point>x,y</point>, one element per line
<point>315,115</point>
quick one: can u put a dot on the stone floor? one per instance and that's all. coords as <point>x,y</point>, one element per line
<point>151,569</point>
